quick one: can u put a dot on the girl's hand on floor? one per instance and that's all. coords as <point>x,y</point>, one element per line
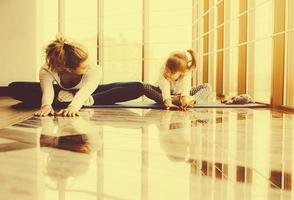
<point>70,111</point>
<point>186,103</point>
<point>45,111</point>
<point>169,105</point>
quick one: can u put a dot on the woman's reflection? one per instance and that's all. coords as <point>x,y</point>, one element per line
<point>72,134</point>
<point>69,146</point>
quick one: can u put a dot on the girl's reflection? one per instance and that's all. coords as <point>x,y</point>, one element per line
<point>175,131</point>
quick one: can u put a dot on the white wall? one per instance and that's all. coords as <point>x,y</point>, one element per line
<point>20,36</point>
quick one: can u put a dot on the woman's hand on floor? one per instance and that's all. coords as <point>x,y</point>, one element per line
<point>70,111</point>
<point>45,111</point>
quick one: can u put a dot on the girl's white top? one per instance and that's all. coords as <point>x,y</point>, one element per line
<point>181,86</point>
<point>85,87</point>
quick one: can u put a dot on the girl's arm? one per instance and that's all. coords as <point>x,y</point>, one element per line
<point>91,83</point>
<point>185,84</point>
<point>184,90</point>
<point>164,86</point>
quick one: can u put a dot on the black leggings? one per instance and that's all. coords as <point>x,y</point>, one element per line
<point>30,93</point>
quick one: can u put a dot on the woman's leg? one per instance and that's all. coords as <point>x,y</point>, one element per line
<point>29,93</point>
<point>152,92</point>
<point>117,92</point>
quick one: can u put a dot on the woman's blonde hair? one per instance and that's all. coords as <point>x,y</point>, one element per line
<point>64,54</point>
<point>180,61</point>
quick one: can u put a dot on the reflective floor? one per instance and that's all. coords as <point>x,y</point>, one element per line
<point>120,154</point>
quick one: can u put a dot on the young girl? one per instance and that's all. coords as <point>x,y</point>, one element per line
<point>174,85</point>
<point>68,80</point>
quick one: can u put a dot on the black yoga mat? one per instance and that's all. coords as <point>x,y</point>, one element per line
<point>160,106</point>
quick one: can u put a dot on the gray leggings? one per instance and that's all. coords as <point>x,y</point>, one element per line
<point>199,92</point>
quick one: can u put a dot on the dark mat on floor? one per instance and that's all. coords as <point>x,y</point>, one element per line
<point>159,106</point>
<point>3,91</point>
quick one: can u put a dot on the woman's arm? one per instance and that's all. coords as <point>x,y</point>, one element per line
<point>46,84</point>
<point>92,80</point>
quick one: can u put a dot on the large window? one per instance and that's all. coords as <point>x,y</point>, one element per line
<point>239,43</point>
<point>241,33</point>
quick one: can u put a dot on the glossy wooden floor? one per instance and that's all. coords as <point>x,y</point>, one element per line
<point>8,115</point>
<point>119,154</point>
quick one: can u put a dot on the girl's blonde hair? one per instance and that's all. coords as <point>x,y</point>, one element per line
<point>180,61</point>
<point>63,54</point>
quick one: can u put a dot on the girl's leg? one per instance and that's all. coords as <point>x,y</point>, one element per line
<point>200,92</point>
<point>117,92</point>
<point>152,92</point>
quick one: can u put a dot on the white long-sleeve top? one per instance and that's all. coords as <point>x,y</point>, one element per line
<point>181,86</point>
<point>85,87</point>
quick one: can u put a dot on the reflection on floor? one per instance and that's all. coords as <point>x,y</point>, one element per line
<point>150,154</point>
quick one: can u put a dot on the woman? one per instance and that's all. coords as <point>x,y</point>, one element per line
<point>68,81</point>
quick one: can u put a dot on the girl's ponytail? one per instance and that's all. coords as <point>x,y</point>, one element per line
<point>192,61</point>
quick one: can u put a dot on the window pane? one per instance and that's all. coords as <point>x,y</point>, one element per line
<point>122,40</point>
<point>263,52</point>
<point>50,24</point>
<point>212,46</point>
<point>262,70</point>
<point>170,29</point>
<point>81,24</point>
<point>290,59</point>
<point>227,45</point>
<point>234,51</point>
